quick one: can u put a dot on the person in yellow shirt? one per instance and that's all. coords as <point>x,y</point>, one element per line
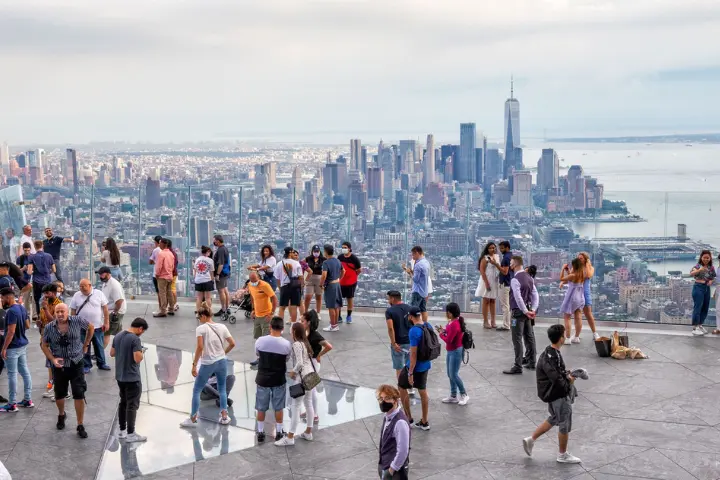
<point>264,302</point>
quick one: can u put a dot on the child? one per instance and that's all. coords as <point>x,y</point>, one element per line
<point>555,385</point>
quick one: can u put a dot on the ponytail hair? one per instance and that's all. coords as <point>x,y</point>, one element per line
<point>204,310</point>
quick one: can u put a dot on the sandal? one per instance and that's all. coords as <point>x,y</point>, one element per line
<point>487,325</point>
<point>716,332</point>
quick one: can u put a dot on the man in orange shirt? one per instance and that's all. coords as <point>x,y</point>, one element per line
<point>264,305</point>
<point>164,266</point>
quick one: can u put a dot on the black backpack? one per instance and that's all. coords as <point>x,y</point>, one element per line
<point>429,348</point>
<point>467,339</point>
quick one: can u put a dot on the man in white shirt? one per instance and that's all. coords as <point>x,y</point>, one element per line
<point>26,237</point>
<point>113,291</point>
<point>92,306</point>
<point>152,261</point>
<point>285,270</point>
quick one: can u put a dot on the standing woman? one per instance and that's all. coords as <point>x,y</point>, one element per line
<point>203,277</point>
<point>574,301</point>
<point>211,354</point>
<point>452,335</point>
<point>313,286</point>
<point>704,274</point>
<point>111,258</point>
<point>489,265</point>
<point>301,366</point>
<point>319,347</point>
<point>588,273</point>
<point>266,267</point>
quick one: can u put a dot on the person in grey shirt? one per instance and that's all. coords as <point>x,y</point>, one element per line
<point>128,353</point>
<point>332,272</point>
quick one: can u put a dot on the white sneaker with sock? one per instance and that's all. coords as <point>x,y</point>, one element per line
<point>306,436</point>
<point>134,437</point>
<point>450,400</point>
<point>575,340</point>
<point>567,458</point>
<point>528,444</point>
<point>464,399</point>
<point>567,341</point>
<point>285,442</point>
<point>596,335</point>
<point>188,423</point>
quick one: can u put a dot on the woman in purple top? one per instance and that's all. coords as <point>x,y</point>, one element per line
<point>574,298</point>
<point>704,274</point>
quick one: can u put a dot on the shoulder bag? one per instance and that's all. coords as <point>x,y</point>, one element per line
<point>294,280</point>
<point>307,383</point>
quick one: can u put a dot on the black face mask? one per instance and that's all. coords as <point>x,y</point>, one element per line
<point>385,407</point>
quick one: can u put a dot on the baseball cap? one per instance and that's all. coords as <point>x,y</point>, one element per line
<point>4,264</point>
<point>414,311</point>
<point>7,291</point>
<point>315,248</point>
<point>102,270</point>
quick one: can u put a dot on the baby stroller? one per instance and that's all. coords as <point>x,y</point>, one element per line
<point>241,300</point>
<point>209,391</point>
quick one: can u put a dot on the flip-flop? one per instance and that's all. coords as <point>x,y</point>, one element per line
<point>488,327</point>
<point>716,332</point>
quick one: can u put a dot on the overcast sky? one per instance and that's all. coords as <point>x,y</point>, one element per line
<point>188,70</point>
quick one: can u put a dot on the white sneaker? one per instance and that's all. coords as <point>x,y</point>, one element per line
<point>567,341</point>
<point>49,394</point>
<point>122,434</point>
<point>697,331</point>
<point>411,392</point>
<point>703,329</point>
<point>450,400</point>
<point>567,458</point>
<point>288,442</point>
<point>224,420</point>
<point>188,423</point>
<point>528,444</point>
<point>596,335</point>
<point>464,399</point>
<point>575,340</point>
<point>331,328</point>
<point>306,436</point>
<point>135,438</point>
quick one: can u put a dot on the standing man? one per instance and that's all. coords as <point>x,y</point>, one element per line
<point>152,261</point>
<point>52,245</point>
<point>164,266</point>
<point>524,303</point>
<point>173,287</point>
<point>63,344</point>
<point>348,283</point>
<point>506,275</point>
<point>41,266</point>
<point>332,272</point>
<point>398,325</point>
<point>92,306</point>
<point>128,353</point>
<point>26,238</point>
<point>221,258</point>
<point>421,280</point>
<point>14,351</point>
<point>23,261</point>
<point>113,291</point>
<point>415,372</point>
<point>10,245</point>
<point>554,384</point>
<point>272,352</point>
<point>47,314</point>
<point>264,304</point>
<point>288,272</point>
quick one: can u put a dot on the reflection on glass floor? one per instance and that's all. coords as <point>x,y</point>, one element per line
<point>167,391</point>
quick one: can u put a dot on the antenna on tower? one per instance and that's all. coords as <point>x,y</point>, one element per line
<point>512,87</point>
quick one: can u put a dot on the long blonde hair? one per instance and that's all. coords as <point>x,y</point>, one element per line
<point>589,270</point>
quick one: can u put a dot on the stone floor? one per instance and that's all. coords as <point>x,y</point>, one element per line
<point>647,419</point>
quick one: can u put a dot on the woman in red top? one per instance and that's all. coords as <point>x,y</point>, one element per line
<point>452,335</point>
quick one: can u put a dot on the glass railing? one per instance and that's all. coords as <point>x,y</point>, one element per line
<point>642,244</point>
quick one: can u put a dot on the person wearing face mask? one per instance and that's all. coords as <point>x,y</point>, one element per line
<point>394,445</point>
<point>113,291</point>
<point>313,281</point>
<point>264,303</point>
<point>348,283</point>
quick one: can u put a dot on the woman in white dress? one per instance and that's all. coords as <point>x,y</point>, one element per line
<point>488,264</point>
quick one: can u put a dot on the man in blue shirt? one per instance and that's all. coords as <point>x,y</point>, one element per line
<point>14,351</point>
<point>415,373</point>
<point>506,275</point>
<point>41,266</point>
<point>52,245</point>
<point>421,280</point>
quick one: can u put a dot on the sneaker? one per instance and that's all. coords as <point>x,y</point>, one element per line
<point>567,341</point>
<point>575,340</point>
<point>411,392</point>
<point>224,420</point>
<point>450,399</point>
<point>86,370</point>
<point>135,438</point>
<point>27,404</point>
<point>514,370</point>
<point>254,363</point>
<point>60,425</point>
<point>697,331</point>
<point>703,329</point>
<point>49,394</point>
<point>423,426</point>
<point>528,444</point>
<point>306,436</point>
<point>464,399</point>
<point>159,314</point>
<point>122,434</point>
<point>348,319</point>
<point>219,313</point>
<point>9,408</point>
<point>332,328</point>
<point>502,328</point>
<point>3,399</point>
<point>567,458</point>
<point>339,318</point>
<point>176,307</point>
<point>279,435</point>
<point>260,436</point>
<point>105,367</point>
<point>285,442</point>
<point>81,432</point>
<point>529,366</point>
<point>596,335</point>
<point>188,423</point>
<point>171,313</point>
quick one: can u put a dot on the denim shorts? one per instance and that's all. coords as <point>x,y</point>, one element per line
<point>400,359</point>
<point>266,396</point>
<point>417,301</point>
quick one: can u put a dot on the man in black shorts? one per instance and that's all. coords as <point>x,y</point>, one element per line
<point>348,283</point>
<point>64,345</point>
<point>415,372</point>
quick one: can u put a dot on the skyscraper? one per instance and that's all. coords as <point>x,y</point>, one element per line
<point>152,194</point>
<point>72,172</point>
<point>297,181</point>
<point>363,160</point>
<point>513,151</point>
<point>429,165</point>
<point>355,152</point>
<point>522,188</point>
<point>464,167</point>
<point>5,158</point>
<point>408,151</point>
<point>375,182</point>
<point>493,168</point>
<point>480,160</point>
<point>387,164</point>
<point>548,170</point>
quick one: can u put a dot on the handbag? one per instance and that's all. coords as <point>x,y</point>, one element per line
<point>306,383</point>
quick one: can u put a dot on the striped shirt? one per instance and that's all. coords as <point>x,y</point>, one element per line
<point>272,353</point>
<point>69,346</point>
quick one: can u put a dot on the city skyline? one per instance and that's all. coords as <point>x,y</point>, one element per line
<point>638,67</point>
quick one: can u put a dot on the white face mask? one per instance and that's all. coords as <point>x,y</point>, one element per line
<point>254,284</point>
<point>345,251</point>
<point>316,254</point>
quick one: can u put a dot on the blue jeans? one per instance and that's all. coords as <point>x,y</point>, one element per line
<point>219,368</point>
<point>98,346</point>
<point>453,361</point>
<point>17,361</point>
<point>701,303</point>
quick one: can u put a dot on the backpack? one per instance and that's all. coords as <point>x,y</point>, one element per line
<point>294,279</point>
<point>429,348</point>
<point>467,339</point>
<point>225,272</point>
